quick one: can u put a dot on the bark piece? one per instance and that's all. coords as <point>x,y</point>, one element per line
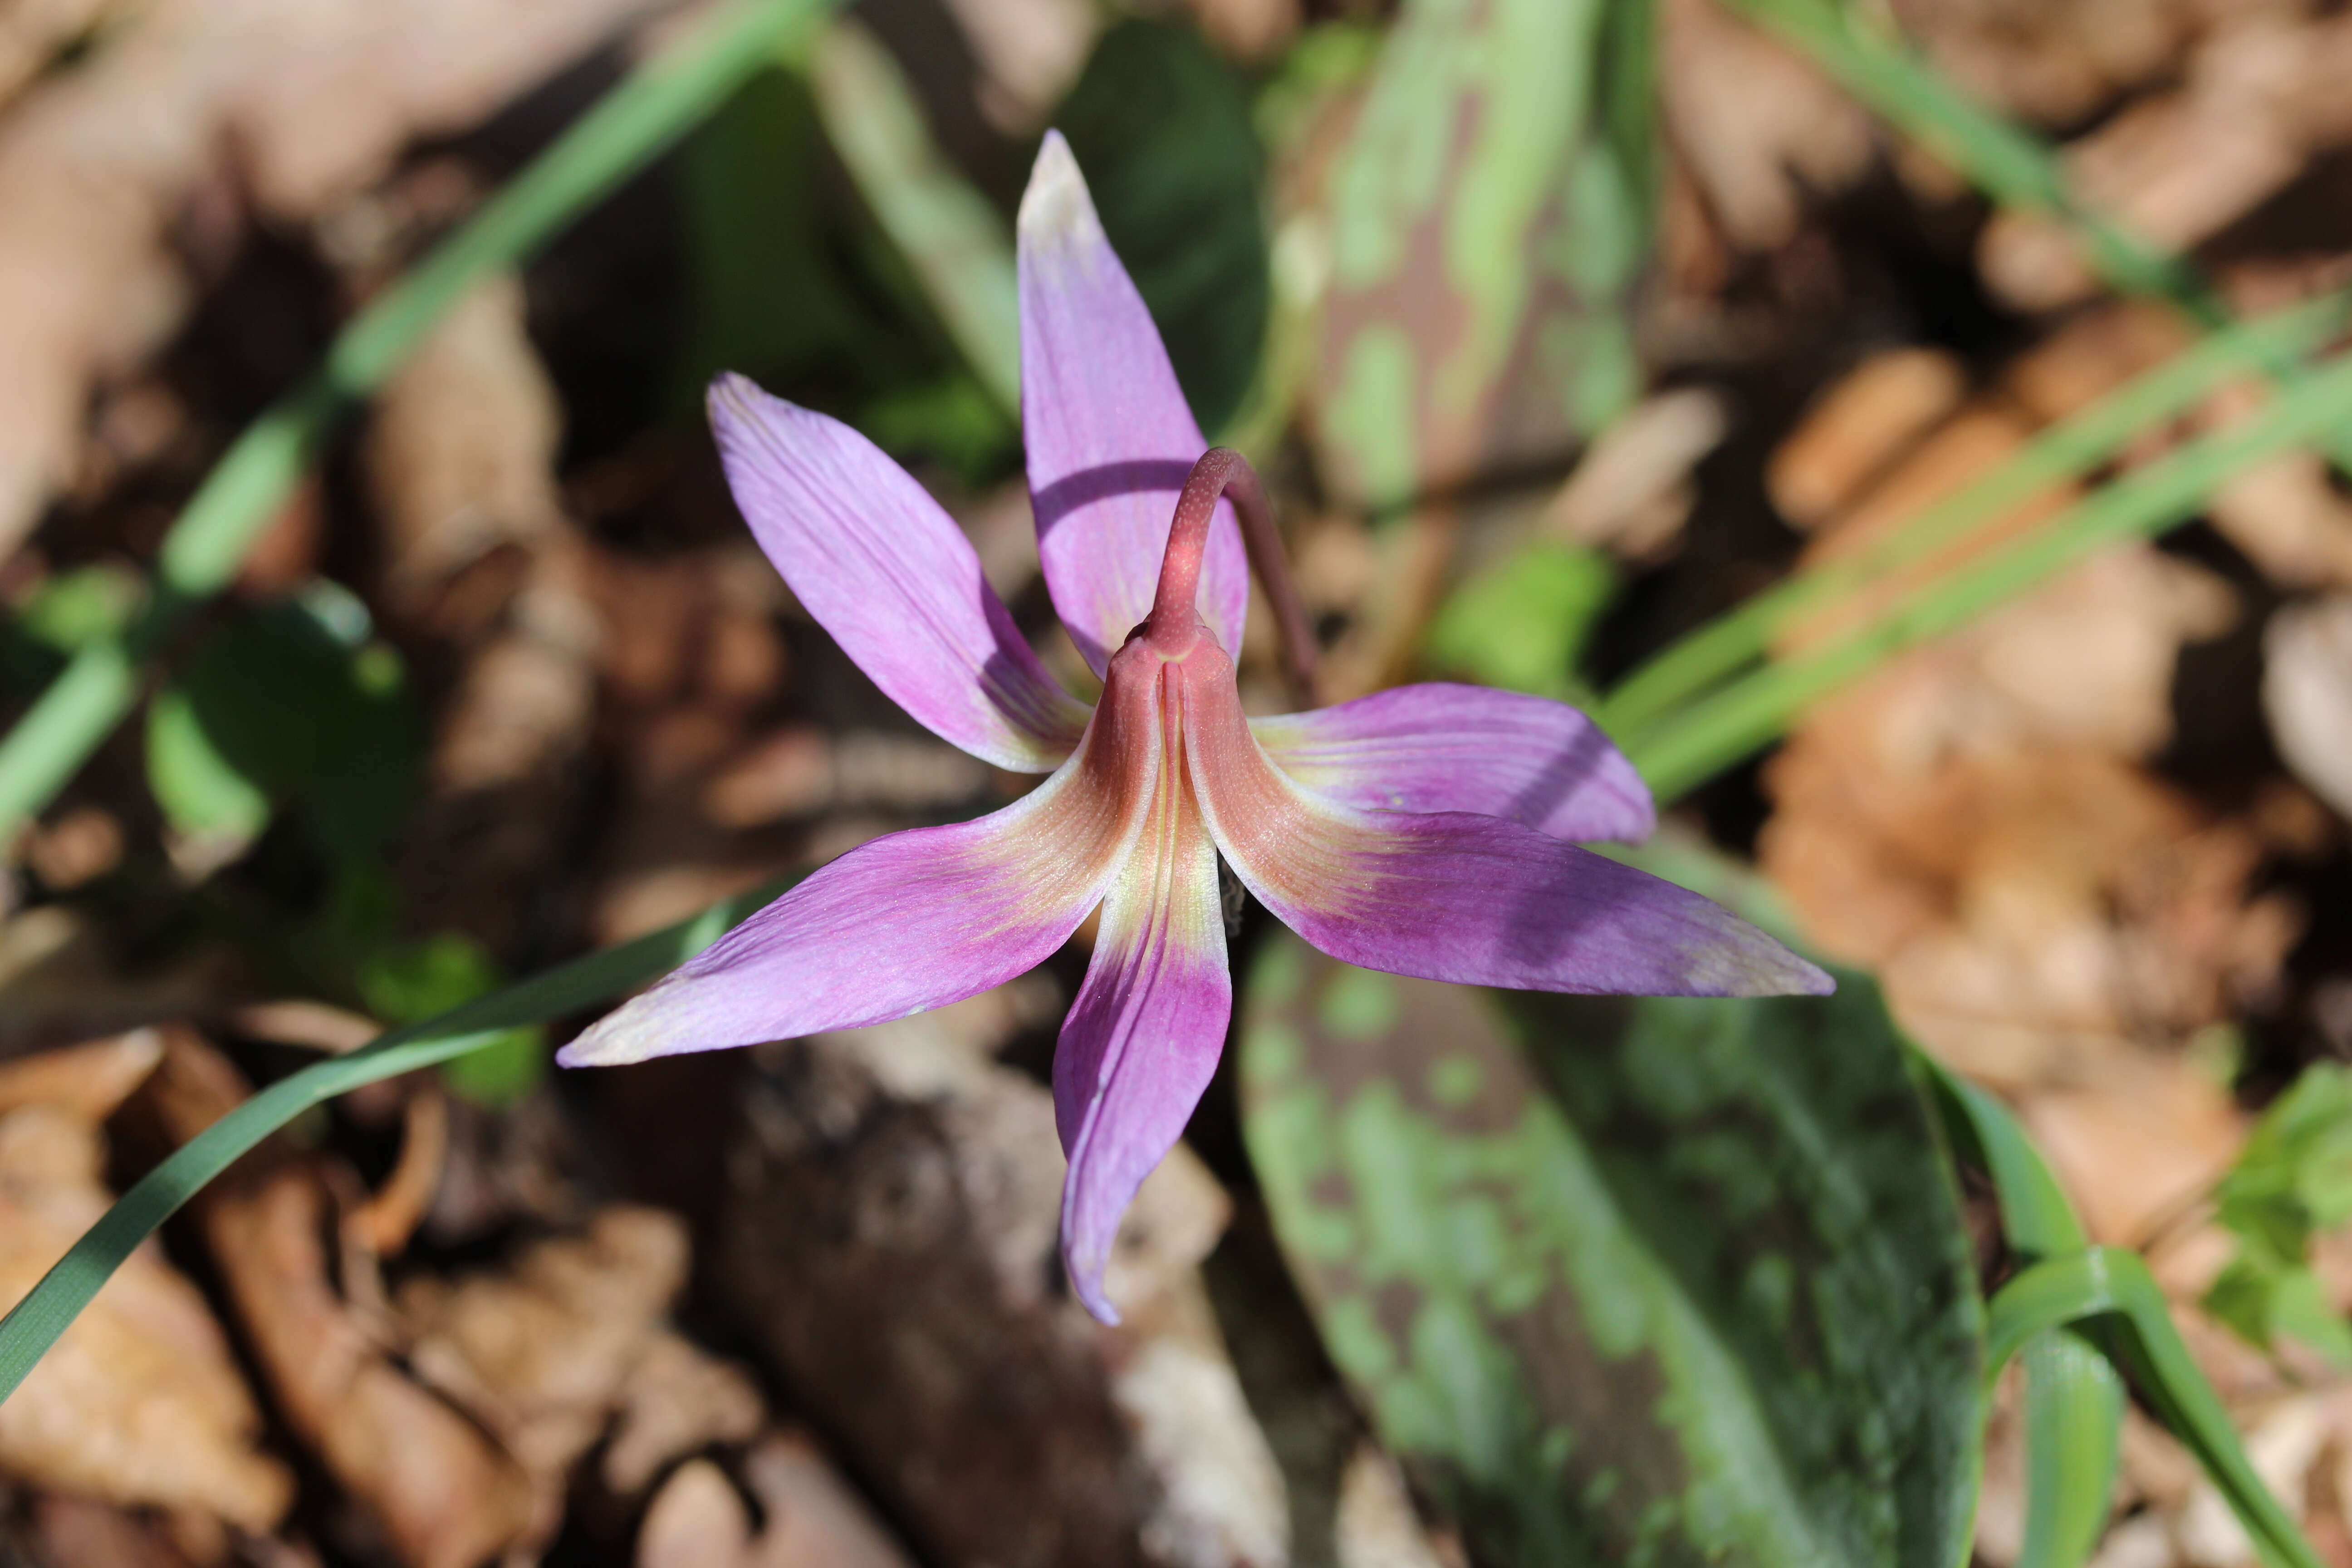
<point>891,1239</point>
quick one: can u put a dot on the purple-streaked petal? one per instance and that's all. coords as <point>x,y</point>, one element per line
<point>1451,896</point>
<point>911,920</point>
<point>1110,437</point>
<point>1442,747</point>
<point>1141,1040</point>
<point>874,558</point>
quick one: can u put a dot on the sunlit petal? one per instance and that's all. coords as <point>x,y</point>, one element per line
<point>1457,896</point>
<point>911,920</point>
<point>1142,1041</point>
<point>873,557</point>
<point>1441,747</point>
<point>1109,436</point>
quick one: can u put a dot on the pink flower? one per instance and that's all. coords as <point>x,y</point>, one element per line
<point>1421,830</point>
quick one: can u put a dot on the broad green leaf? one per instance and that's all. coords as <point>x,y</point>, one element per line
<point>1649,1281</point>
<point>290,703</point>
<point>201,792</point>
<point>1489,217</point>
<point>409,981</point>
<point>1161,127</point>
<point>1522,623</point>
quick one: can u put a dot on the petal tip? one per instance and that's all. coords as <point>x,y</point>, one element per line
<point>1056,209</point>
<point>619,1037</point>
<point>1085,1270</point>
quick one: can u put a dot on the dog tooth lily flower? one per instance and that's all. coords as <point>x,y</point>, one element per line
<point>1421,830</point>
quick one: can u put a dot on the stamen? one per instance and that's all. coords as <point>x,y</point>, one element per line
<point>1175,620</point>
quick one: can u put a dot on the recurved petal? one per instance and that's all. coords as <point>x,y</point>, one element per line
<point>1451,896</point>
<point>909,922</point>
<point>1109,434</point>
<point>1142,1041</point>
<point>1442,747</point>
<point>889,575</point>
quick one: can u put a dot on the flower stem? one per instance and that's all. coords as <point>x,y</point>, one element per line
<point>1175,620</point>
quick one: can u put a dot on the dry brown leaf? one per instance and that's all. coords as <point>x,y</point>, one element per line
<point>138,1403</point>
<point>2057,61</point>
<point>297,102</point>
<point>1759,128</point>
<point>2260,98</point>
<point>89,1080</point>
<point>1376,1526</point>
<point>804,769</point>
<point>79,1533</point>
<point>1633,488</point>
<point>1867,419</point>
<point>814,1520</point>
<point>677,1399</point>
<point>2093,354</point>
<point>2307,694</point>
<point>444,1496</point>
<point>461,451</point>
<point>540,1354</point>
<point>1967,820</point>
<point>697,1520</point>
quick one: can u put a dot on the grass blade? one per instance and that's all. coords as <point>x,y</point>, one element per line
<point>2113,1284</point>
<point>630,125</point>
<point>958,245</point>
<point>34,1323</point>
<point>2066,451</point>
<point>1719,730</point>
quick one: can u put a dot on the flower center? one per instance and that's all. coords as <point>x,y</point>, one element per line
<point>1173,628</point>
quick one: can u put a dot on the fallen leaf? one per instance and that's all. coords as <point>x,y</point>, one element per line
<point>2307,694</point>
<point>138,1403</point>
<point>443,1494</point>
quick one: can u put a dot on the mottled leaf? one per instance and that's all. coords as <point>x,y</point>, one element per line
<point>1161,125</point>
<point>1489,217</point>
<point>1628,1281</point>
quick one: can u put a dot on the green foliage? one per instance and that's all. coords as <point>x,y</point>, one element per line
<point>288,704</point>
<point>76,608</point>
<point>1490,216</point>
<point>1161,125</point>
<point>959,247</point>
<point>2292,1181</point>
<point>408,983</point>
<point>1522,623</point>
<point>1659,1281</point>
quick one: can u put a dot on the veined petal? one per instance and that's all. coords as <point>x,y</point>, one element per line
<point>874,558</point>
<point>1451,896</point>
<point>911,920</point>
<point>1109,436</point>
<point>1141,1040</point>
<point>1441,747</point>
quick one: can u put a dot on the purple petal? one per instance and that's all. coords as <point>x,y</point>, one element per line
<point>1451,896</point>
<point>1141,1040</point>
<point>1440,747</point>
<point>887,572</point>
<point>909,922</point>
<point>1109,436</point>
